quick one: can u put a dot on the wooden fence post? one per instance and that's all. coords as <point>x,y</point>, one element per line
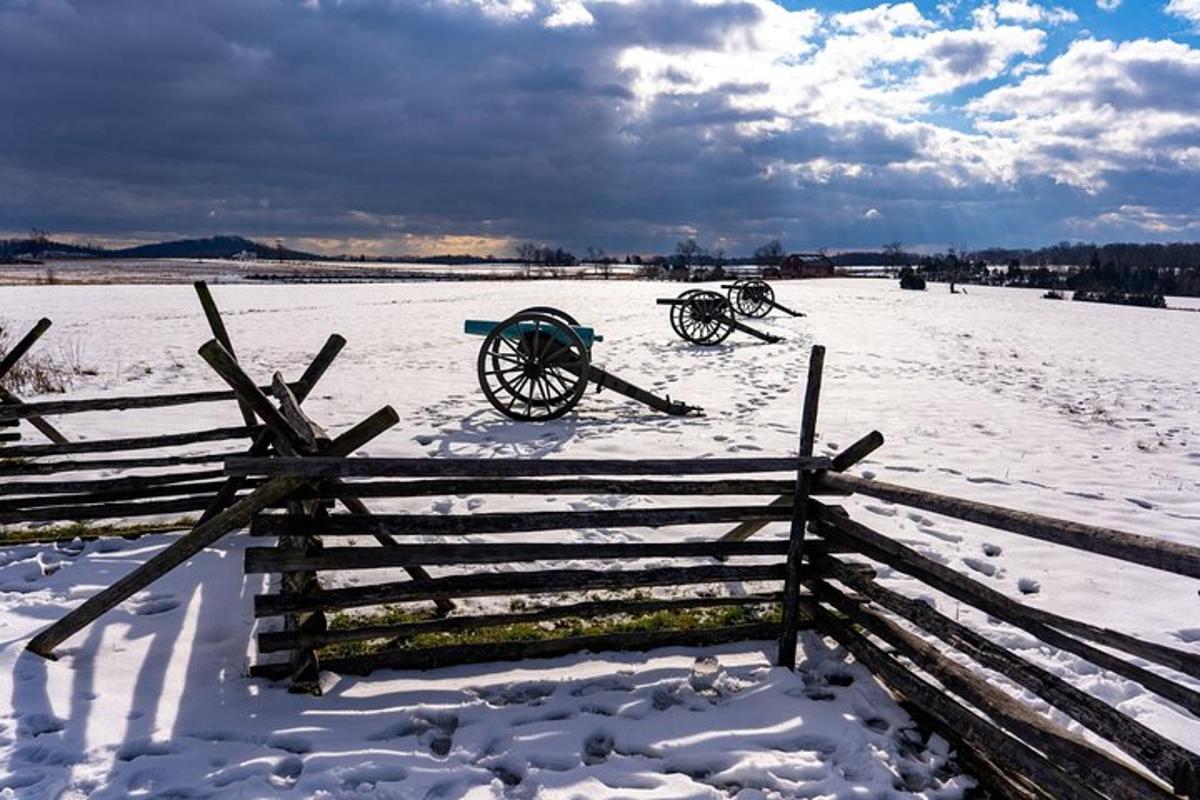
<point>305,668</point>
<point>217,326</point>
<point>790,624</point>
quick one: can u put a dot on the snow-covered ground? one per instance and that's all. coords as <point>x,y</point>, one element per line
<point>1077,410</point>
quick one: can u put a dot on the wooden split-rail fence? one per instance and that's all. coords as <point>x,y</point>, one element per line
<point>65,479</point>
<point>820,574</point>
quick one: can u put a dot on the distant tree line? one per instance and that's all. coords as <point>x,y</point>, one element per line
<point>1119,267</point>
<point>1140,269</point>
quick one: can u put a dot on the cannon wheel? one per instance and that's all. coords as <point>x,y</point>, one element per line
<point>703,319</point>
<point>677,312</point>
<point>753,297</point>
<point>533,366</point>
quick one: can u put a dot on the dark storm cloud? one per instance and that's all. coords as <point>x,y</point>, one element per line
<point>373,119</point>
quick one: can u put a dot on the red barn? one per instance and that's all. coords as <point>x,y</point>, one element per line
<point>806,265</point>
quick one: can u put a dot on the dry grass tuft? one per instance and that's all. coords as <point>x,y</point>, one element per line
<point>39,371</point>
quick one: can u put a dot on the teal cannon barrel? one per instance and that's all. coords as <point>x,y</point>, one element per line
<point>537,364</point>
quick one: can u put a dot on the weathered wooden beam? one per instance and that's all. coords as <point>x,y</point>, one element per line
<point>510,522</point>
<point>69,465</point>
<point>204,534</point>
<point>789,624</point>
<point>270,559</point>
<point>1160,755</point>
<point>312,434</point>
<point>128,482</point>
<point>51,407</point>
<point>325,467</point>
<point>130,443</point>
<point>433,657</point>
<point>1073,754</point>
<point>463,487</point>
<point>944,579</point>
<point>8,503</point>
<point>275,641</point>
<point>857,451</point>
<point>524,582</point>
<point>954,720</point>
<point>217,326</point>
<point>79,513</point>
<point>1148,551</point>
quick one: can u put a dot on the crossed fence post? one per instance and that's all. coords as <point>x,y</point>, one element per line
<point>10,360</point>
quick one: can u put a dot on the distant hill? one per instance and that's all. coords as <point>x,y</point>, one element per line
<point>212,247</point>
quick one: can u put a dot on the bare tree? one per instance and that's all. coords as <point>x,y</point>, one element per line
<point>526,253</point>
<point>688,252</point>
<point>894,252</point>
<point>770,254</point>
<point>39,240</point>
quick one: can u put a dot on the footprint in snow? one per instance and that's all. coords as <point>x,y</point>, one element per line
<point>992,550</point>
<point>1028,586</point>
<point>981,567</point>
<point>1189,635</point>
<point>929,530</point>
<point>985,479</point>
<point>1146,504</point>
<point>157,604</point>
<point>597,748</point>
<point>36,724</point>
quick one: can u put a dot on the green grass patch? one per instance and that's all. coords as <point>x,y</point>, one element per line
<point>664,620</point>
<point>68,531</point>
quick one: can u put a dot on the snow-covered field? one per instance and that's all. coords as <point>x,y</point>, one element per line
<point>1077,410</point>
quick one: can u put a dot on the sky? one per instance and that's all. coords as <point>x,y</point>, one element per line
<point>432,126</point>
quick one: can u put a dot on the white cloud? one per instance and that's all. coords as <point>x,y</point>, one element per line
<point>1101,107</point>
<point>568,13</point>
<point>883,19</point>
<point>1145,219</point>
<point>1108,5</point>
<point>872,213</point>
<point>1032,13</point>
<point>1187,9</point>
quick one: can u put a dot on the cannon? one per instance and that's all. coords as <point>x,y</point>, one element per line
<point>707,318</point>
<point>754,297</point>
<point>537,364</point>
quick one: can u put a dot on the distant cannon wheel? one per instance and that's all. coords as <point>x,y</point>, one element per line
<point>703,318</point>
<point>677,312</point>
<point>533,366</point>
<point>752,298</point>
